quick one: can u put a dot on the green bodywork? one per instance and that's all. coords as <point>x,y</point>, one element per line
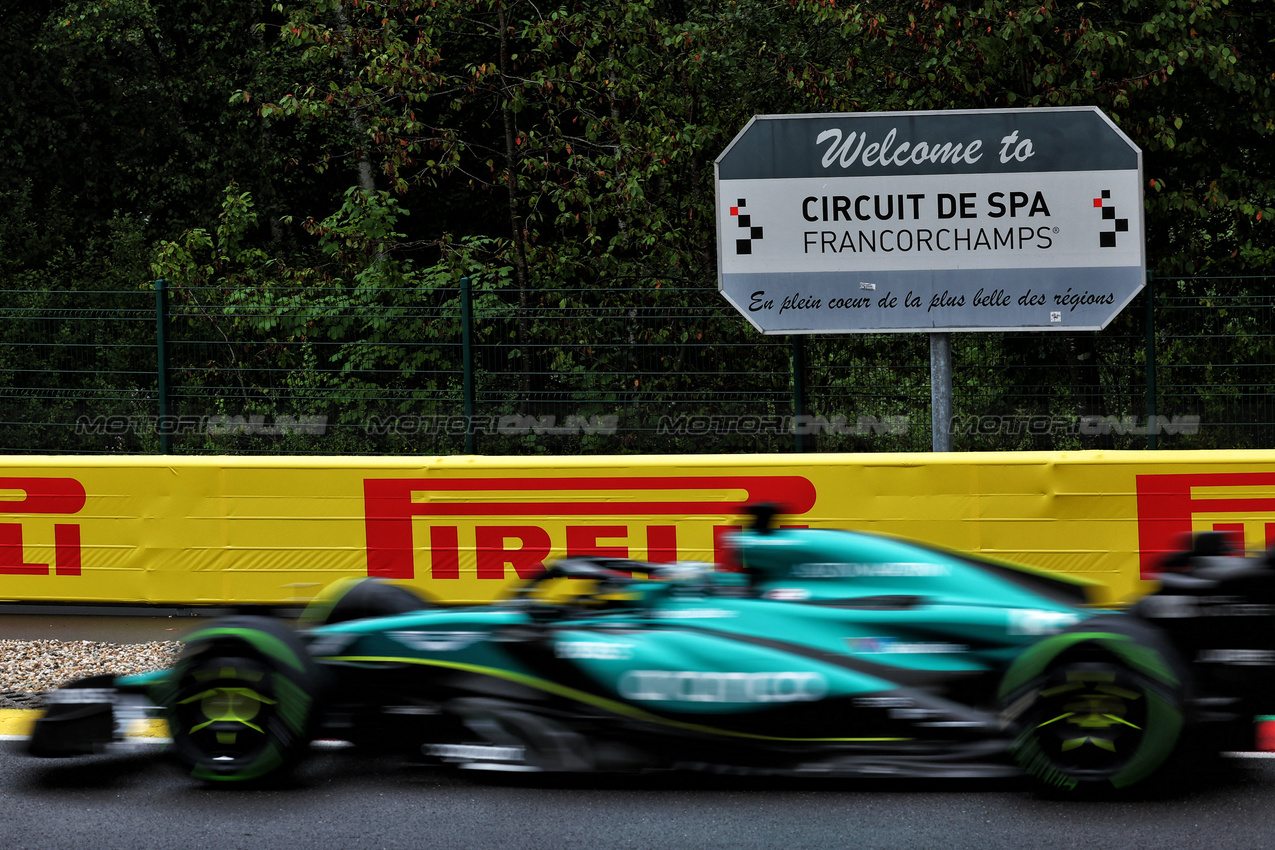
<point>814,616</point>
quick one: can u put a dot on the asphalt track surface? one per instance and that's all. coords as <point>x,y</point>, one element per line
<point>340,799</point>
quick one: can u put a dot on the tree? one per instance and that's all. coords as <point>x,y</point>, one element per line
<point>561,156</point>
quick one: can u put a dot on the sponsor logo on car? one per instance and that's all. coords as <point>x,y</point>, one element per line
<point>787,594</point>
<point>437,641</point>
<point>694,614</point>
<point>890,645</point>
<point>887,570</point>
<point>593,650</point>
<point>696,686</point>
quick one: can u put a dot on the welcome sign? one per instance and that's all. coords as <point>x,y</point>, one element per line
<point>930,221</point>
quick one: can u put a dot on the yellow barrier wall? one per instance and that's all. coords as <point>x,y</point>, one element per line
<point>275,530</point>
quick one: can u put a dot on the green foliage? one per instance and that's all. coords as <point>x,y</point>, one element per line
<point>79,348</point>
<point>1189,81</point>
<point>560,156</point>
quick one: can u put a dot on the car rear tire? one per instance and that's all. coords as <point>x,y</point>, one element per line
<point>359,598</point>
<point>1096,709</point>
<point>241,700</point>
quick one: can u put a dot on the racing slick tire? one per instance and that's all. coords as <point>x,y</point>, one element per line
<point>359,598</point>
<point>241,701</point>
<point>1096,709</point>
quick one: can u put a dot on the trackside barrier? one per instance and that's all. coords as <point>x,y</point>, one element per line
<point>271,530</point>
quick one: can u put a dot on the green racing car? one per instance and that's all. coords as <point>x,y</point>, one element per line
<point>814,653</point>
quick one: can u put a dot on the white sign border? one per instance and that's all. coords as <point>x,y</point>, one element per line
<point>1142,242</point>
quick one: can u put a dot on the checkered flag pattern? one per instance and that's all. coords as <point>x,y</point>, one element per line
<point>1107,238</point>
<point>745,245</point>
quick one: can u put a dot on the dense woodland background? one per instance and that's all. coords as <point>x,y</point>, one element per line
<point>313,179</point>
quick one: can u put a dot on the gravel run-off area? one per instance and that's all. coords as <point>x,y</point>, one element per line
<point>28,668</point>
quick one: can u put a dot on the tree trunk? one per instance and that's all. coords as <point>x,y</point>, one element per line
<point>515,222</point>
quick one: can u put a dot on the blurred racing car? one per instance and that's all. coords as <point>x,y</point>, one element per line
<point>815,653</point>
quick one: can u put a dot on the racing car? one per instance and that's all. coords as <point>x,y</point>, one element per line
<point>813,652</point>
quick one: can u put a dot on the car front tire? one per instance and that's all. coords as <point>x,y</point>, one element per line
<point>240,701</point>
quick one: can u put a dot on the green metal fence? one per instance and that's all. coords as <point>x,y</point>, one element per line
<point>644,367</point>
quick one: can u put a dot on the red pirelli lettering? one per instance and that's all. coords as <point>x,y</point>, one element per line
<point>12,556</point>
<point>444,552</point>
<point>391,504</point>
<point>62,496</point>
<point>527,558</point>
<point>661,544</point>
<point>44,496</point>
<point>66,549</point>
<point>1167,505</point>
<point>587,540</point>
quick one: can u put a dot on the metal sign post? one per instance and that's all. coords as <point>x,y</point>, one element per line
<point>941,392</point>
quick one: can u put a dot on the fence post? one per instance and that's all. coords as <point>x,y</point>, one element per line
<point>1152,426</point>
<point>941,439</point>
<point>798,389</point>
<point>161,351</point>
<point>467,361</point>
